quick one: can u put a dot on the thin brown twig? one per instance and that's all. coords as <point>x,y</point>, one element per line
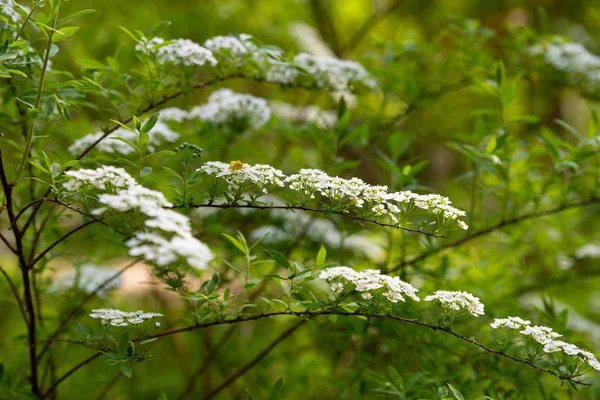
<point>315,210</point>
<point>493,228</point>
<point>15,293</point>
<point>81,304</point>
<point>240,372</point>
<point>69,373</point>
<point>58,241</point>
<point>7,243</point>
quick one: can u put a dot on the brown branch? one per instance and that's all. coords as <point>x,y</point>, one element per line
<point>15,293</point>
<point>315,210</point>
<point>58,241</point>
<point>7,243</point>
<point>500,225</point>
<point>240,372</point>
<point>81,304</point>
<point>69,373</point>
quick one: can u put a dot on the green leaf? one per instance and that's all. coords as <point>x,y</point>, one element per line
<point>150,123</point>
<point>144,138</point>
<point>276,389</point>
<point>213,284</point>
<point>64,33</point>
<point>38,166</point>
<point>236,243</point>
<point>491,146</point>
<point>569,128</point>
<point>126,370</point>
<point>280,259</point>
<point>16,71</point>
<point>127,31</point>
<point>123,343</point>
<point>594,124</point>
<point>321,256</point>
<point>175,174</point>
<point>69,164</point>
<point>160,153</point>
<point>145,171</point>
<point>75,15</point>
<point>455,392</point>
<point>249,395</point>
<point>396,377</point>
<point>125,141</point>
<point>56,170</point>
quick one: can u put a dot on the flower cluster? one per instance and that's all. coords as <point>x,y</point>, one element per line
<point>7,7</point>
<point>168,234</point>
<point>243,177</point>
<point>105,177</point>
<point>159,134</point>
<point>88,278</point>
<point>547,338</point>
<point>369,283</point>
<point>296,114</point>
<point>343,194</point>
<point>237,46</point>
<point>335,73</point>
<point>177,51</point>
<point>243,111</point>
<point>458,301</point>
<point>122,318</point>
<point>581,68</point>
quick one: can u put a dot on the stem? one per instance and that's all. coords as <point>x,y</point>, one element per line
<point>38,98</point>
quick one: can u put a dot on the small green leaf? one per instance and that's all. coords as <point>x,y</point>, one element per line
<point>235,242</point>
<point>64,33</point>
<point>213,283</point>
<point>69,164</point>
<point>145,171</point>
<point>126,370</point>
<point>144,138</point>
<point>455,392</point>
<point>38,166</point>
<point>120,139</point>
<point>491,146</point>
<point>56,170</point>
<point>123,343</point>
<point>280,259</point>
<point>321,256</point>
<point>175,174</point>
<point>276,389</point>
<point>150,123</point>
<point>127,31</point>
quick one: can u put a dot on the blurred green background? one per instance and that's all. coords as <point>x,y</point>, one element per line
<point>513,270</point>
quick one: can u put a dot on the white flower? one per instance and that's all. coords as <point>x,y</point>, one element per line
<point>103,178</point>
<point>335,73</point>
<point>118,317</point>
<point>159,134</point>
<point>590,250</point>
<point>509,322</point>
<point>457,301</point>
<point>88,278</point>
<point>168,238</point>
<point>8,9</point>
<point>238,46</point>
<point>224,106</point>
<point>177,51</point>
<point>368,282</point>
<point>157,324</point>
<point>239,176</point>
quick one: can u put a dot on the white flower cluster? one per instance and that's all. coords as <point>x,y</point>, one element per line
<point>238,46</point>
<point>168,236</point>
<point>333,72</point>
<point>547,338</point>
<point>370,199</point>
<point>244,177</point>
<point>581,67</point>
<point>123,318</point>
<point>295,114</point>
<point>590,250</point>
<point>88,278</point>
<point>344,194</point>
<point>8,9</point>
<point>159,134</point>
<point>369,282</point>
<point>224,106</point>
<point>105,177</point>
<point>177,51</point>
<point>458,301</point>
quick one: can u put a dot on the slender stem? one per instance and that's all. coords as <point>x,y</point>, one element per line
<point>493,228</point>
<point>315,210</point>
<point>15,293</point>
<point>69,373</point>
<point>25,22</point>
<point>38,98</point>
<point>240,372</point>
<point>58,241</point>
<point>78,307</point>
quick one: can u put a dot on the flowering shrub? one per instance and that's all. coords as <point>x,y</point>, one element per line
<point>142,180</point>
